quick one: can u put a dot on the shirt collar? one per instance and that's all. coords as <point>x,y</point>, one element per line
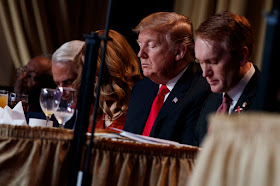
<point>171,84</point>
<point>236,92</point>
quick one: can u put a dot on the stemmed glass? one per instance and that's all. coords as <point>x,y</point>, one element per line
<point>49,101</point>
<point>67,105</point>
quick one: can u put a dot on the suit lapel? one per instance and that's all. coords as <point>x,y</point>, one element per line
<point>246,99</point>
<point>177,93</point>
<point>150,93</point>
<point>215,102</point>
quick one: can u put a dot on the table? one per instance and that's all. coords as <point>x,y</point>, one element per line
<point>40,156</point>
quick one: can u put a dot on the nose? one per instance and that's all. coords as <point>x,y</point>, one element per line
<point>61,84</point>
<point>206,70</point>
<point>142,53</point>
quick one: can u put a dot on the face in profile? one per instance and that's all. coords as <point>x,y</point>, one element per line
<point>219,67</point>
<point>157,59</point>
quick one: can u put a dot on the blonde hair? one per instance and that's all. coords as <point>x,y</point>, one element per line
<point>177,28</point>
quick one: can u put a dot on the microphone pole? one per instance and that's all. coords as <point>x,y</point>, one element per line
<point>85,97</point>
<point>87,177</point>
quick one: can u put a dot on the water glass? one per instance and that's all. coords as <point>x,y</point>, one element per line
<point>67,105</point>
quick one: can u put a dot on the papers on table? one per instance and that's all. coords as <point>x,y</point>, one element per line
<point>146,139</point>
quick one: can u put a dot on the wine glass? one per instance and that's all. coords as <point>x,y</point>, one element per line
<point>67,105</point>
<point>49,101</point>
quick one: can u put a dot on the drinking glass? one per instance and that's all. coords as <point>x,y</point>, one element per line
<point>3,98</point>
<point>14,98</point>
<point>67,105</point>
<point>49,101</point>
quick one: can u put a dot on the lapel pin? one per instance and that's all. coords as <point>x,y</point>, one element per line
<point>175,100</point>
<point>238,109</point>
<point>244,104</point>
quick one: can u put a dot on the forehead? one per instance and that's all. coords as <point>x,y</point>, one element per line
<point>63,71</point>
<point>147,35</point>
<point>39,65</point>
<point>207,49</point>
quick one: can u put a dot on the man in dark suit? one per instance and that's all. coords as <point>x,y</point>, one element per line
<point>167,55</point>
<point>223,48</point>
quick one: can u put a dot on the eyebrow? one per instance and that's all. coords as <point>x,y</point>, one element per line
<point>65,81</point>
<point>149,40</point>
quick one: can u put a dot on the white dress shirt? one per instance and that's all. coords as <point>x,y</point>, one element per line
<point>171,84</point>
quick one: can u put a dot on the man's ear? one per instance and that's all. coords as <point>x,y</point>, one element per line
<point>180,52</point>
<point>245,55</point>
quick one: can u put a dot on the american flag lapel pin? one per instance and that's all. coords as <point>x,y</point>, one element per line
<point>175,100</point>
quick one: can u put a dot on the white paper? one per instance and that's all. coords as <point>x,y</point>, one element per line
<point>147,139</point>
<point>13,116</point>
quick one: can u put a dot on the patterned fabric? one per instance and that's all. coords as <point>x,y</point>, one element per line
<point>118,123</point>
<point>224,108</point>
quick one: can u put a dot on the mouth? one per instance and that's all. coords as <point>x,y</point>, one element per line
<point>212,82</point>
<point>144,65</point>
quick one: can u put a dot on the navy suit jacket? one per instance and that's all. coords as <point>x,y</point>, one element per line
<point>177,119</point>
<point>247,101</point>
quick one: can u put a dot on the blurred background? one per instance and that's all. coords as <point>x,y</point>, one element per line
<point>38,27</point>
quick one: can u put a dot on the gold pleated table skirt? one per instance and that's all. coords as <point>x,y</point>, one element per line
<point>240,150</point>
<point>40,156</point>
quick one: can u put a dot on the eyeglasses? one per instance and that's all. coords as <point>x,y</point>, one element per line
<point>31,74</point>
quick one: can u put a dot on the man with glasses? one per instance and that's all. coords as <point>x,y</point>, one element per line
<point>31,78</point>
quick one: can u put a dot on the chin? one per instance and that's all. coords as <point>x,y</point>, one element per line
<point>147,74</point>
<point>216,89</point>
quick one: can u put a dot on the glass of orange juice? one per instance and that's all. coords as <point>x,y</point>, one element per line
<point>3,98</point>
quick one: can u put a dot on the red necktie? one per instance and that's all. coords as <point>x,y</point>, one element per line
<point>158,102</point>
<point>224,108</point>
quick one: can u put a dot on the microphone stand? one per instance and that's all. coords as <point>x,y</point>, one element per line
<point>76,176</point>
<point>87,177</point>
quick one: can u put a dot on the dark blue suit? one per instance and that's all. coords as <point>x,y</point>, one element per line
<point>247,101</point>
<point>177,119</point>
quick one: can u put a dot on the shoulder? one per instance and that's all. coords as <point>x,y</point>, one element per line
<point>199,83</point>
<point>145,82</point>
<point>213,98</point>
<point>211,104</point>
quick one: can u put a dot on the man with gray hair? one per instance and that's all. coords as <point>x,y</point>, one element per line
<point>66,68</point>
<point>66,64</point>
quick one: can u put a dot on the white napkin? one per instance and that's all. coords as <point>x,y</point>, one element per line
<point>13,116</point>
